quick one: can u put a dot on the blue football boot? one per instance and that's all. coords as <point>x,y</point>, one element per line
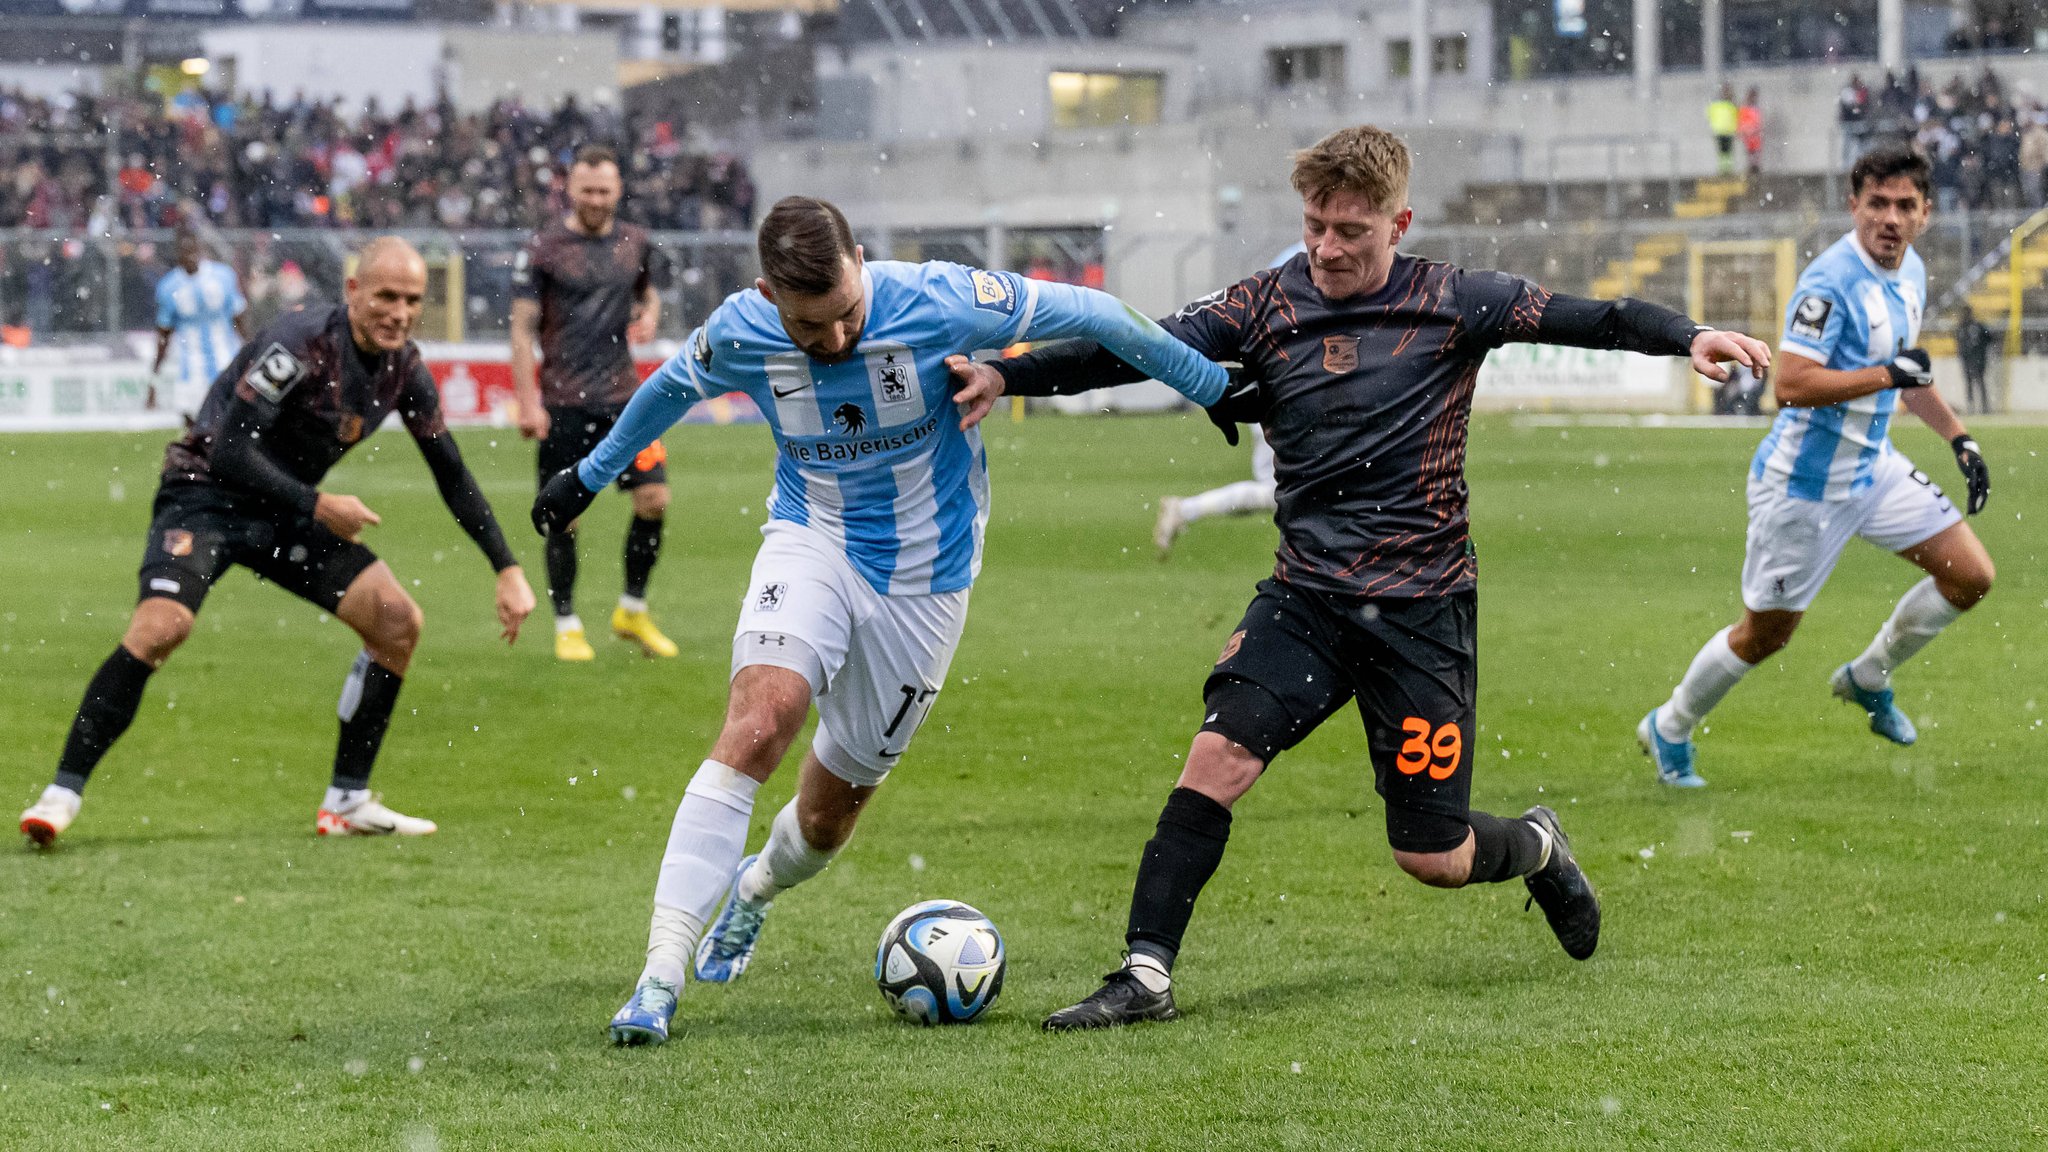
<point>645,1017</point>
<point>729,947</point>
<point>1674,758</point>
<point>1885,718</point>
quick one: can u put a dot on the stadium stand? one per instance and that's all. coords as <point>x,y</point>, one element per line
<point>136,163</point>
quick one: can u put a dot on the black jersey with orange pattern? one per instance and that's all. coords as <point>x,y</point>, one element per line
<point>293,402</point>
<point>1367,403</point>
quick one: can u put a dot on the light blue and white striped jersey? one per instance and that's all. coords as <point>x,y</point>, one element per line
<point>200,309</point>
<point>871,451</point>
<point>1847,313</point>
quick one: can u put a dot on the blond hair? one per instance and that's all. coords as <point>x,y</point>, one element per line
<point>1369,161</point>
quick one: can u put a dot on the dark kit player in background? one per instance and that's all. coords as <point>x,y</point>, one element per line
<point>587,287</point>
<point>1360,363</point>
<point>241,488</point>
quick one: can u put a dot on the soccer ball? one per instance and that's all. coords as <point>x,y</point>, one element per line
<point>940,962</point>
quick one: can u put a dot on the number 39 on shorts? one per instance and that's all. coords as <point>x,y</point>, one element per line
<point>1431,747</point>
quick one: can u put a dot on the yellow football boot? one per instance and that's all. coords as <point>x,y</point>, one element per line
<point>571,646</point>
<point>639,628</point>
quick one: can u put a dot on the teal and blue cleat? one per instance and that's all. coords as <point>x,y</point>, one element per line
<point>645,1017</point>
<point>729,947</point>
<point>1885,718</point>
<point>1673,757</point>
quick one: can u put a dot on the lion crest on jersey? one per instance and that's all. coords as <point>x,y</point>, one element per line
<point>850,419</point>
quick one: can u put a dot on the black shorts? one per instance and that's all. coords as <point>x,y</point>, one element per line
<point>196,532</point>
<point>573,432</point>
<point>1413,667</point>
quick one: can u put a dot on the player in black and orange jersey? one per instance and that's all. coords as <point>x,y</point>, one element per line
<point>1360,363</point>
<point>242,488</point>
<point>587,288</point>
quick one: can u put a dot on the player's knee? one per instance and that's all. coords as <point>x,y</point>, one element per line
<point>767,708</point>
<point>398,623</point>
<point>156,630</point>
<point>826,831</point>
<point>1436,869</point>
<point>1966,584</point>
<point>1220,768</point>
<point>651,502</point>
<point>1757,638</point>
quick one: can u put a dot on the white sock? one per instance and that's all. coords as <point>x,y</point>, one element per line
<point>343,799</point>
<point>1543,861</point>
<point>1149,971</point>
<point>633,603</point>
<point>569,623</point>
<point>786,861</point>
<point>1229,500</point>
<point>70,799</point>
<point>704,845</point>
<point>1713,672</point>
<point>1921,615</point>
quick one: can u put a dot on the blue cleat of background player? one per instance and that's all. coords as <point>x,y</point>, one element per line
<point>645,1016</point>
<point>729,947</point>
<point>1673,757</point>
<point>1885,718</point>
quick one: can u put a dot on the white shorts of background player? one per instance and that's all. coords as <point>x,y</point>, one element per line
<point>1794,543</point>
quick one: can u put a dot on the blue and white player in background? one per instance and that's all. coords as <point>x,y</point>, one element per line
<point>199,318</point>
<point>859,592</point>
<point>1827,470</point>
<point>1239,499</point>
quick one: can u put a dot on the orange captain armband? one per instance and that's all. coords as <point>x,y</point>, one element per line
<point>650,457</point>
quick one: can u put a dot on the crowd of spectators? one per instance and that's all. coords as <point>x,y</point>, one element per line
<point>94,162</point>
<point>1988,144</point>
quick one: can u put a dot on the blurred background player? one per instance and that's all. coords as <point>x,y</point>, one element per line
<point>199,315</point>
<point>240,488</point>
<point>1240,499</point>
<point>1827,470</point>
<point>588,286</point>
<point>859,592</point>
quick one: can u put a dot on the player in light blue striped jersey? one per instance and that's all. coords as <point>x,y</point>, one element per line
<point>1827,471</point>
<point>859,592</point>
<point>199,310</point>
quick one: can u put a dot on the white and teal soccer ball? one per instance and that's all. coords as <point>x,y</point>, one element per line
<point>940,962</point>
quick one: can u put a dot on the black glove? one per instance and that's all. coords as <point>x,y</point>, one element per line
<point>1243,402</point>
<point>1911,368</point>
<point>1976,473</point>
<point>561,500</point>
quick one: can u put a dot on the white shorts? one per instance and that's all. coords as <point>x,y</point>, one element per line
<point>1794,543</point>
<point>875,663</point>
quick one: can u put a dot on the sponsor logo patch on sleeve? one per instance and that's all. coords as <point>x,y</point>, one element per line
<point>994,292</point>
<point>1810,317</point>
<point>274,373</point>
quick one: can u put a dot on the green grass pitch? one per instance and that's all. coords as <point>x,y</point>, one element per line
<point>1840,944</point>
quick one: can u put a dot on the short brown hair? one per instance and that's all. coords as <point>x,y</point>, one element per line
<point>1886,161</point>
<point>1367,160</point>
<point>803,243</point>
<point>592,155</point>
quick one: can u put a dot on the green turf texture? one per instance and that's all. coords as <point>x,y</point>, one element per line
<point>1838,945</point>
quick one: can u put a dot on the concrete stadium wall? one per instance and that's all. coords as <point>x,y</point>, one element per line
<point>478,65</point>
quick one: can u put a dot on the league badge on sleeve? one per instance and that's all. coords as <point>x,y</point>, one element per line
<point>1810,317</point>
<point>274,373</point>
<point>994,292</point>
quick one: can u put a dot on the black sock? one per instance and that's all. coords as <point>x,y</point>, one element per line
<point>643,548</point>
<point>109,706</point>
<point>561,553</point>
<point>367,697</point>
<point>1502,848</point>
<point>1179,859</point>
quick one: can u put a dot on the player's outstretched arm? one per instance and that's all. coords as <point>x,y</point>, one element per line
<point>1066,310</point>
<point>1805,383</point>
<point>1632,325</point>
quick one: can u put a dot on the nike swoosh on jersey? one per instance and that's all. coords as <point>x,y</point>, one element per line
<point>781,395</point>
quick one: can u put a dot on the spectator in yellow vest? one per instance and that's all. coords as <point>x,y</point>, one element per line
<point>1723,119</point>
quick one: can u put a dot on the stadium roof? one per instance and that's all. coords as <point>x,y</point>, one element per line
<point>912,21</point>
